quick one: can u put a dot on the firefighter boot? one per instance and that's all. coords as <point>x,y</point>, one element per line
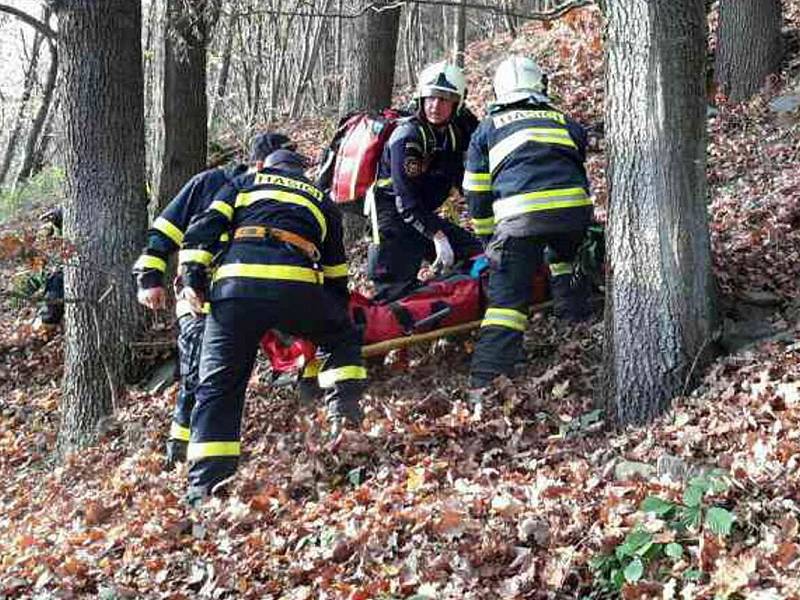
<point>571,297</point>
<point>176,453</point>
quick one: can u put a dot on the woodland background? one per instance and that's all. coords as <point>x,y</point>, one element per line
<point>549,495</point>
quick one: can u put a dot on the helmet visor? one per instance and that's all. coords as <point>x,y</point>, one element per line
<point>435,92</point>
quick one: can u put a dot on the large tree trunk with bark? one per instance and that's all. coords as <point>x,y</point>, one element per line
<point>660,310</point>
<point>184,117</point>
<point>368,82</point>
<point>749,45</point>
<point>369,76</point>
<point>106,215</point>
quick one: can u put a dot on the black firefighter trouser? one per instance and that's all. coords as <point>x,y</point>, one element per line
<point>503,325</point>
<point>190,337</point>
<point>232,334</point>
<point>394,263</point>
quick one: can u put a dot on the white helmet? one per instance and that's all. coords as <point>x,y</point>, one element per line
<point>518,78</point>
<point>444,80</point>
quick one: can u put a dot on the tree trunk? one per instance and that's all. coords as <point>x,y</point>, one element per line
<point>460,34</point>
<point>221,87</point>
<point>106,215</point>
<point>27,90</point>
<point>749,45</point>
<point>42,147</point>
<point>660,316</point>
<point>369,78</point>
<point>37,126</point>
<point>185,115</point>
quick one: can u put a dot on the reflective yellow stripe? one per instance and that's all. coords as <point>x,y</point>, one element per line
<point>331,376</point>
<point>424,135</point>
<point>265,178</point>
<point>222,207</point>
<point>225,237</point>
<point>544,200</point>
<point>198,256</point>
<point>168,229</point>
<point>312,368</point>
<point>209,449</point>
<point>145,261</point>
<point>178,432</point>
<point>544,135</point>
<point>385,182</point>
<point>334,271</point>
<point>248,198</point>
<point>483,226</point>
<point>557,269</point>
<point>505,317</point>
<point>477,182</point>
<point>286,272</point>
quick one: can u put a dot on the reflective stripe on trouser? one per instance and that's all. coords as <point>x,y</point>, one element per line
<point>570,290</point>
<point>510,289</point>
<point>190,337</point>
<point>233,331</point>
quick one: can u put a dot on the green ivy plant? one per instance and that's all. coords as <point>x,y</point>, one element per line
<point>689,519</point>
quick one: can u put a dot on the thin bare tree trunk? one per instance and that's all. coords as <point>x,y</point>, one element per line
<point>41,115</point>
<point>460,34</point>
<point>27,91</point>
<point>221,87</point>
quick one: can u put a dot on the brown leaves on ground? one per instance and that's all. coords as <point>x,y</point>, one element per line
<point>427,501</point>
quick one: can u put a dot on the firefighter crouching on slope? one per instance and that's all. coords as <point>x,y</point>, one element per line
<point>421,162</point>
<point>527,190</point>
<point>165,237</point>
<point>285,269</point>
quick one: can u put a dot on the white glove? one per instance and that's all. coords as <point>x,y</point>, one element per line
<point>444,252</point>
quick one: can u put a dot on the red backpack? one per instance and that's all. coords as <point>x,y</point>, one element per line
<point>350,163</point>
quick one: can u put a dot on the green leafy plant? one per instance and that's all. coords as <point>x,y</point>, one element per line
<point>46,187</point>
<point>689,519</point>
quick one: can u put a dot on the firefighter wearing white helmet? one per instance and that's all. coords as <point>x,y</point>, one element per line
<point>422,161</point>
<point>527,191</point>
<point>519,78</point>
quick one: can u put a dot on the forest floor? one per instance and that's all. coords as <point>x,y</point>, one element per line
<point>537,499</point>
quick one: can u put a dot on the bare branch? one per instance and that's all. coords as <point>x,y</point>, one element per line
<point>42,28</point>
<point>550,15</point>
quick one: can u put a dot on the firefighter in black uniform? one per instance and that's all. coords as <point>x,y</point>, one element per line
<point>527,192</point>
<point>422,161</point>
<point>164,238</point>
<point>285,269</point>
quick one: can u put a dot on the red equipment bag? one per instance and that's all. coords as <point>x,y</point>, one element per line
<point>437,304</point>
<point>287,353</point>
<point>358,144</point>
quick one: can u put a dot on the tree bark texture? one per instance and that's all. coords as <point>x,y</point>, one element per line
<point>106,215</point>
<point>660,310</point>
<point>368,82</point>
<point>185,114</point>
<point>749,45</point>
<point>369,77</point>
